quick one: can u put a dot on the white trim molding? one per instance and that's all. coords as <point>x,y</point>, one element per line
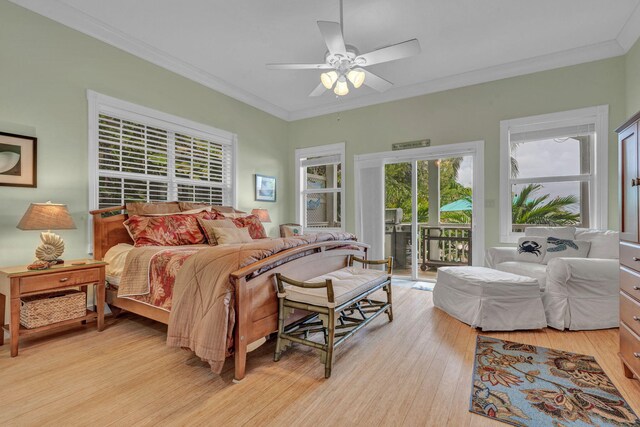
<point>597,118</point>
<point>80,21</point>
<point>301,154</point>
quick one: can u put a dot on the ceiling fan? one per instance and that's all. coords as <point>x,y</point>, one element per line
<point>346,64</point>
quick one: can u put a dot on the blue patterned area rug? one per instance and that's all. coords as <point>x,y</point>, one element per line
<point>525,385</point>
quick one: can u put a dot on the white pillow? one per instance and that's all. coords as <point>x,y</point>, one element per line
<point>566,248</point>
<point>531,249</point>
<point>559,232</point>
<point>605,244</point>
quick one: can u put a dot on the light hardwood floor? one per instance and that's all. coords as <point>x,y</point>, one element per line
<point>414,371</point>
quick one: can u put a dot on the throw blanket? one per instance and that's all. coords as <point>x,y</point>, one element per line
<point>202,315</point>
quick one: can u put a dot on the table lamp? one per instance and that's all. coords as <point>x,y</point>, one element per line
<point>262,214</point>
<point>48,216</point>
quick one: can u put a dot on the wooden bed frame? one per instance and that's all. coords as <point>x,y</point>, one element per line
<point>256,303</point>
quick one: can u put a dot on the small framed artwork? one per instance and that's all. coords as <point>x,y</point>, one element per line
<point>18,160</point>
<point>265,188</point>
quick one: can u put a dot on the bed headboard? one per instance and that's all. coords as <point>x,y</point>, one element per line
<point>108,230</point>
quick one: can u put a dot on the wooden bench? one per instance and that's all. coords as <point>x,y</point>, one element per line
<point>341,296</point>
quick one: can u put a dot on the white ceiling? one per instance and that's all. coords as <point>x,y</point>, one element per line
<point>225,44</point>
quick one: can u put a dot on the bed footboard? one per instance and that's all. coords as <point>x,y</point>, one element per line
<point>256,302</point>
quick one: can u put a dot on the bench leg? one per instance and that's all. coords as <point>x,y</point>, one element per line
<point>390,309</point>
<point>279,343</point>
<point>331,330</point>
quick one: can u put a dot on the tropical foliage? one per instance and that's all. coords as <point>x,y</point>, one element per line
<point>528,209</point>
<point>528,206</point>
<point>398,188</point>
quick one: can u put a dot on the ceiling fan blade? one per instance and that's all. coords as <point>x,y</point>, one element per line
<point>390,53</point>
<point>299,66</point>
<point>319,90</point>
<point>375,82</point>
<point>332,34</point>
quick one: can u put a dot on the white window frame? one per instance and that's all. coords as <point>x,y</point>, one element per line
<point>597,116</point>
<point>301,182</point>
<point>99,103</point>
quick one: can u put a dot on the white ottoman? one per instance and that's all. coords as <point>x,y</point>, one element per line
<point>489,299</point>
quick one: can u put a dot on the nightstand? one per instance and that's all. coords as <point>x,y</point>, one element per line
<point>23,282</point>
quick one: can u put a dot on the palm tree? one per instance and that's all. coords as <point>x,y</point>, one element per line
<point>540,210</point>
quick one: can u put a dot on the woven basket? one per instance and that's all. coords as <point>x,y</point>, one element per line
<point>45,309</point>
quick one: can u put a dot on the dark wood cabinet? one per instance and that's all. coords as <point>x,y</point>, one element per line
<point>629,188</point>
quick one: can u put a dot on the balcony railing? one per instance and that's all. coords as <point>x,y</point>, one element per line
<point>444,245</point>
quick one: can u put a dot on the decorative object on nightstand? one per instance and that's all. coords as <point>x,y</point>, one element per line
<point>48,216</point>
<point>32,291</point>
<point>262,214</point>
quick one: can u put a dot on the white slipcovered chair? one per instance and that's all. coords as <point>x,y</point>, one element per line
<point>579,293</point>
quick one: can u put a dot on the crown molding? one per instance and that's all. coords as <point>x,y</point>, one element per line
<point>512,69</point>
<point>630,32</point>
<point>80,21</point>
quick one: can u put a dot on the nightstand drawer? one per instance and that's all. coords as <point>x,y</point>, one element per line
<point>630,348</point>
<point>630,282</point>
<point>59,280</point>
<point>630,312</point>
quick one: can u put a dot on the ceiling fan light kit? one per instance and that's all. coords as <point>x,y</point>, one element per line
<point>328,79</point>
<point>341,88</point>
<point>345,62</point>
<point>356,77</point>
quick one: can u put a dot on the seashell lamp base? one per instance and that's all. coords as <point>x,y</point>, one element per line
<point>51,247</point>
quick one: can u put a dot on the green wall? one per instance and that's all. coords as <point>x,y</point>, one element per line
<point>469,114</point>
<point>632,79</point>
<point>45,70</point>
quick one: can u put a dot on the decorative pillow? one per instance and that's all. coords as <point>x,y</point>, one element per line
<point>209,224</point>
<point>256,229</point>
<point>145,208</point>
<point>291,230</point>
<point>170,230</point>
<point>566,248</point>
<point>531,249</point>
<point>605,244</point>
<point>232,235</point>
<point>186,206</point>
<point>234,215</point>
<point>559,232</point>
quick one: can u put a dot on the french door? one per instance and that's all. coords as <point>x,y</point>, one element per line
<point>421,206</point>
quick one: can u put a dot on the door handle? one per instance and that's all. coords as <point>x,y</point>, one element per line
<point>633,182</point>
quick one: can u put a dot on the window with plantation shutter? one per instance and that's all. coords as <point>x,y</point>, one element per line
<point>139,154</point>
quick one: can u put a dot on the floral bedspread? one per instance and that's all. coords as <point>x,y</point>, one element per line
<point>163,268</point>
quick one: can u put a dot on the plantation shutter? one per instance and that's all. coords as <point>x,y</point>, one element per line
<point>132,162</point>
<point>143,158</point>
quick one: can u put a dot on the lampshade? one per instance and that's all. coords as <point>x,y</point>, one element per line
<point>328,79</point>
<point>356,77</point>
<point>341,88</point>
<point>262,214</point>
<point>46,216</point>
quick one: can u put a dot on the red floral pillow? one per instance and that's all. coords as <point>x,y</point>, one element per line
<point>170,230</point>
<point>256,229</point>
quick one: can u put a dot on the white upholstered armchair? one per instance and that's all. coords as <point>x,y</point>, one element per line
<point>578,293</point>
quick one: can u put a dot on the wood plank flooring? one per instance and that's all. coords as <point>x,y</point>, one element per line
<point>415,371</point>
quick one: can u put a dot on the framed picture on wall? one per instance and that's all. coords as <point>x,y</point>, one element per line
<point>17,160</point>
<point>265,188</point>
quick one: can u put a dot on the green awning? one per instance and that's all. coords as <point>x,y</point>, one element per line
<point>458,205</point>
